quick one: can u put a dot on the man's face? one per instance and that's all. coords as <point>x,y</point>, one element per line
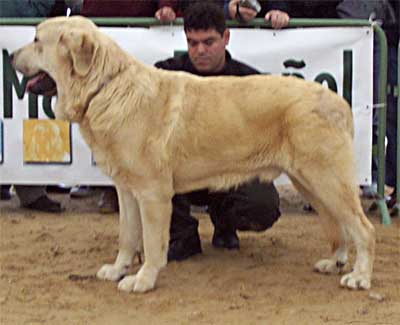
<point>207,49</point>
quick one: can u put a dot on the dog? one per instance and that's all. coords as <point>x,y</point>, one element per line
<point>157,133</point>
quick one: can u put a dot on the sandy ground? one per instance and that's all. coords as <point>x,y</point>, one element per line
<point>48,264</point>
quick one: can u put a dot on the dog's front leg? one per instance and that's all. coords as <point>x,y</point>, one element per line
<point>156,218</point>
<point>130,237</point>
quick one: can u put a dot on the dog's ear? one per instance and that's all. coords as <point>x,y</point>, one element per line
<point>81,48</point>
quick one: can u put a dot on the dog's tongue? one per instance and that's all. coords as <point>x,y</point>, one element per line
<point>31,84</point>
<point>41,84</point>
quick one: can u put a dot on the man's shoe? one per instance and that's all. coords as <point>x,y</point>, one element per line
<point>45,204</point>
<point>108,202</point>
<point>225,239</point>
<point>391,201</point>
<point>181,249</point>
<point>5,193</point>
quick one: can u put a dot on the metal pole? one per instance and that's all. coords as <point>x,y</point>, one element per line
<point>396,209</point>
<point>383,54</point>
<point>148,21</point>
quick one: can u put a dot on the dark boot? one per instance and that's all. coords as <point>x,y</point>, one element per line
<point>5,192</point>
<point>45,204</point>
<point>182,248</point>
<point>223,217</point>
<point>391,202</point>
<point>184,236</point>
<point>224,238</point>
<point>224,227</point>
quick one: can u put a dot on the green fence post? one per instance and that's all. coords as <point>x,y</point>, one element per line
<point>382,123</point>
<point>396,209</point>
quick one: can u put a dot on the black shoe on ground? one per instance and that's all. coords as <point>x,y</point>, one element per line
<point>391,201</point>
<point>225,239</point>
<point>45,204</point>
<point>182,248</point>
<point>5,193</point>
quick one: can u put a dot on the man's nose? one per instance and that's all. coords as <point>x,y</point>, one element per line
<point>201,48</point>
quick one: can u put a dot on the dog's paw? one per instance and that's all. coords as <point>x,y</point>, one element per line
<point>329,266</point>
<point>111,272</point>
<point>136,283</point>
<point>144,283</point>
<point>356,281</point>
<point>127,283</point>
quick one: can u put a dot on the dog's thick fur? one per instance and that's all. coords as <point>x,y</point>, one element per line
<point>157,133</point>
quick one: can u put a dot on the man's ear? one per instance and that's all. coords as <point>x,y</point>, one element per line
<point>226,36</point>
<point>81,47</point>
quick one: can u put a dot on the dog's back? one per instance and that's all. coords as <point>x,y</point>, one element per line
<point>241,119</point>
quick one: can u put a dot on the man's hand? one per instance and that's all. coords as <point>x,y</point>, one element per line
<point>246,14</point>
<point>279,19</point>
<point>165,14</point>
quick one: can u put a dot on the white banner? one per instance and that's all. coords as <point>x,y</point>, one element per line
<point>340,58</point>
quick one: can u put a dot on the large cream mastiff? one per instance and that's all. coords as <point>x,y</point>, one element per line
<point>157,133</point>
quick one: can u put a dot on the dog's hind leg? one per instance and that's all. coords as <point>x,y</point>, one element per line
<point>335,193</point>
<point>156,210</point>
<point>337,238</point>
<point>130,237</point>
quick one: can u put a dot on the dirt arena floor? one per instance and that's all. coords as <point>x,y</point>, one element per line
<point>48,263</point>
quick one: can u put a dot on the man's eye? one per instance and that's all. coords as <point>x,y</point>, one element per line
<point>209,42</point>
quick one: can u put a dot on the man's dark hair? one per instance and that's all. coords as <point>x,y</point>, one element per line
<point>204,15</point>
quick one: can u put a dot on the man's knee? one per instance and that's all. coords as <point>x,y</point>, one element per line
<point>253,207</point>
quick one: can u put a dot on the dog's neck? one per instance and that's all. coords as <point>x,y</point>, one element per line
<point>100,87</point>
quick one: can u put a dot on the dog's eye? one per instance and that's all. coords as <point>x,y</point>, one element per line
<point>36,40</point>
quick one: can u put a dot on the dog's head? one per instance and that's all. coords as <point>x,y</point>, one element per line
<point>65,57</point>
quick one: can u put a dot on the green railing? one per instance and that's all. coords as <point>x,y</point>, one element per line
<point>396,209</point>
<point>260,23</point>
<point>381,106</point>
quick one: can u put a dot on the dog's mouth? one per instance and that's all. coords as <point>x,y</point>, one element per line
<point>42,84</point>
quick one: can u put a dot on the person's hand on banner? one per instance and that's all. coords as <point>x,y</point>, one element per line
<point>279,19</point>
<point>245,11</point>
<point>241,13</point>
<point>165,14</point>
